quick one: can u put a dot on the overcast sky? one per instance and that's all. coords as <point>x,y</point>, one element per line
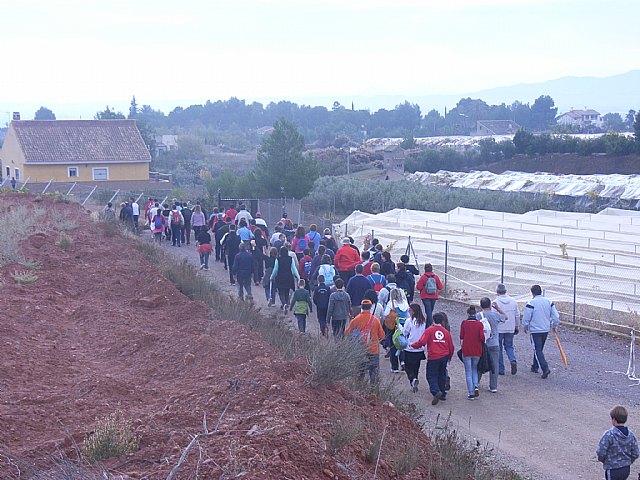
<point>165,52</point>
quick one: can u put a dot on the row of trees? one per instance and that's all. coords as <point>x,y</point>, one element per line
<point>322,124</point>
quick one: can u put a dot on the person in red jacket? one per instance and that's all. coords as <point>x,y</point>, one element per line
<point>346,259</point>
<point>429,285</point>
<point>472,337</point>
<point>439,352</point>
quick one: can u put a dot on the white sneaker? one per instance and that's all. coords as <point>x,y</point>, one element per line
<point>395,371</point>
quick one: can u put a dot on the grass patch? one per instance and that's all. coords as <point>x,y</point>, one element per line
<point>65,242</point>
<point>113,436</point>
<point>343,431</point>
<point>15,225</point>
<point>24,277</point>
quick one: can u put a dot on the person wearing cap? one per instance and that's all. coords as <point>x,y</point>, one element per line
<point>370,332</point>
<point>346,260</point>
<point>508,329</point>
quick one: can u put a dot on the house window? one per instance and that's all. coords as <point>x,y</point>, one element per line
<point>72,172</point>
<point>101,173</point>
<point>16,174</point>
<point>8,171</point>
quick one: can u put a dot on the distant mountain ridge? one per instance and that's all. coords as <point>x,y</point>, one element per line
<point>617,93</point>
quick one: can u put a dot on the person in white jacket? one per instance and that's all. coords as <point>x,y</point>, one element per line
<point>508,329</point>
<point>413,329</point>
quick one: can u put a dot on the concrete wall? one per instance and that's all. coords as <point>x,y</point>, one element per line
<point>11,156</point>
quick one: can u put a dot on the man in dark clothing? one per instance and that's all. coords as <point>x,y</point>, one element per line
<point>186,229</point>
<point>387,267</point>
<point>321,300</point>
<point>405,280</point>
<point>243,270</point>
<point>231,244</point>
<point>356,286</point>
<point>219,230</point>
<point>410,267</point>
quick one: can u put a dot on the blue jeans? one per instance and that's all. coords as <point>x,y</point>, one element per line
<point>506,343</point>
<point>494,353</point>
<point>244,283</point>
<point>539,339</point>
<point>302,322</point>
<point>204,259</point>
<point>437,375</point>
<point>471,372</point>
<point>429,306</point>
<point>372,366</point>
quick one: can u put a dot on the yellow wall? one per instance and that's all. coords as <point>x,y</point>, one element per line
<point>59,173</point>
<point>11,155</point>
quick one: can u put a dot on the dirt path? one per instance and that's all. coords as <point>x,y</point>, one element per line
<point>547,429</point>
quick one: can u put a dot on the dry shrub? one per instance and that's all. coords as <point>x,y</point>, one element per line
<point>65,242</point>
<point>343,431</point>
<point>332,360</point>
<point>113,436</point>
<point>24,277</point>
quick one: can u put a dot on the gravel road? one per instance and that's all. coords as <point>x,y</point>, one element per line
<point>545,429</point>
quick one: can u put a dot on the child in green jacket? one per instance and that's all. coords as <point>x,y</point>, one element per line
<point>301,305</point>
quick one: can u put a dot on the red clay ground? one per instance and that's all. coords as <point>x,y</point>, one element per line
<point>78,344</point>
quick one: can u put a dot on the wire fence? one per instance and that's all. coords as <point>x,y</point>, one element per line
<point>589,292</point>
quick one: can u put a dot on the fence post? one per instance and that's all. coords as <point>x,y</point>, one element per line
<point>575,286</point>
<point>115,195</point>
<point>72,187</point>
<point>47,186</point>
<point>24,185</point>
<point>446,265</point>
<point>89,196</point>
<point>502,268</point>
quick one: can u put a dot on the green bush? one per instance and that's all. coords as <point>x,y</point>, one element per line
<point>113,436</point>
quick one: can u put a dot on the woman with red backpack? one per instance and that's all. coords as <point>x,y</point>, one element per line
<point>429,285</point>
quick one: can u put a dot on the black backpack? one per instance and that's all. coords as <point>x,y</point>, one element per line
<point>186,214</point>
<point>321,297</point>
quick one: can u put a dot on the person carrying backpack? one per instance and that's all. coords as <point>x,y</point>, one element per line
<point>328,271</point>
<point>314,239</point>
<point>370,332</point>
<point>300,241</point>
<point>158,223</point>
<point>429,285</point>
<point>177,221</point>
<point>304,268</point>
<point>321,296</point>
<point>376,279</point>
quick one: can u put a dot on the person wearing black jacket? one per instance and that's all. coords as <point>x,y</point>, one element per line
<point>186,229</point>
<point>231,244</point>
<point>405,280</point>
<point>204,248</point>
<point>219,230</point>
<point>242,271</point>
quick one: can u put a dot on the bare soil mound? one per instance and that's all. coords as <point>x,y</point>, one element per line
<point>100,329</point>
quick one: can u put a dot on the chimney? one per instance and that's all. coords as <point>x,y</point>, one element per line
<point>16,115</point>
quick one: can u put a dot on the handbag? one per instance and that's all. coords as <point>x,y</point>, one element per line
<point>484,363</point>
<point>391,320</point>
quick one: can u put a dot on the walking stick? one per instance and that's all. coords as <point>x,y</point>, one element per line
<point>562,354</point>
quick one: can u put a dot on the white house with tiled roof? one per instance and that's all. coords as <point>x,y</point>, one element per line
<point>580,118</point>
<point>74,151</point>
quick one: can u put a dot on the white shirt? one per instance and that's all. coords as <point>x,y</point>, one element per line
<point>136,208</point>
<point>413,332</point>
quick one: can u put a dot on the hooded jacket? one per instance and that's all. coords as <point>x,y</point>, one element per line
<point>618,448</point>
<point>339,306</point>
<point>511,312</point>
